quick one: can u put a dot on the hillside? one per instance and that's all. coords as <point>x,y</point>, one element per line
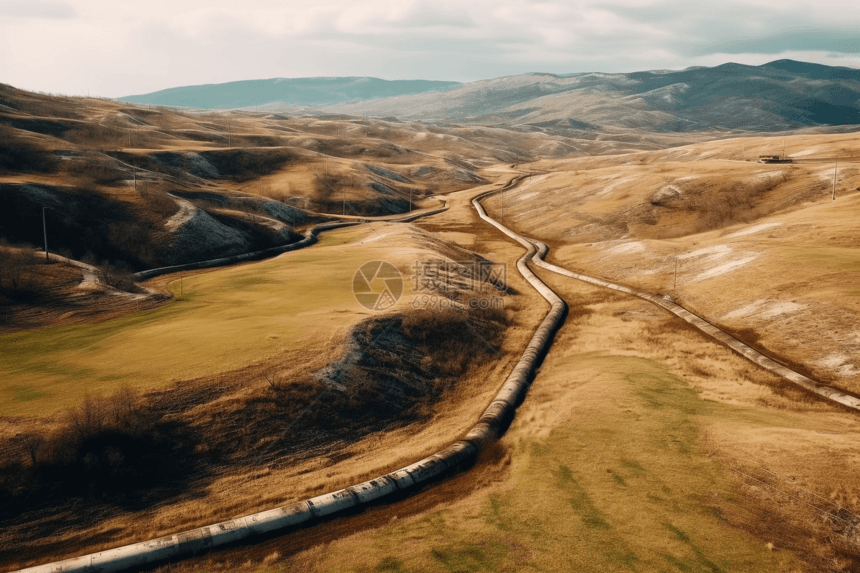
<point>779,95</point>
<point>762,250</point>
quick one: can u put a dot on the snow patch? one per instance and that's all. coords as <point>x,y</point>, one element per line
<point>747,310</point>
<point>528,195</point>
<point>612,186</point>
<point>625,248</point>
<point>840,363</point>
<point>717,251</point>
<point>780,308</point>
<point>753,229</point>
<point>763,308</point>
<point>725,268</point>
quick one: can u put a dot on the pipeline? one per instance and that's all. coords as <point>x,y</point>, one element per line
<point>703,325</point>
<point>309,239</point>
<point>490,425</point>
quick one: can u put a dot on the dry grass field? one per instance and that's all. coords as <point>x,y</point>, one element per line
<point>641,446</point>
<point>133,411</point>
<point>760,249</point>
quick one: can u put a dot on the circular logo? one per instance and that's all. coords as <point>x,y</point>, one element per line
<point>377,285</point>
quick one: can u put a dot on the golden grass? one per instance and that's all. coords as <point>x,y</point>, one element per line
<point>618,460</point>
<point>228,491</point>
<point>225,319</point>
<point>760,247</point>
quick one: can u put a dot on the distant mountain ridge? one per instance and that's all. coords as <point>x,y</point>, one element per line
<point>779,95</point>
<point>289,91</point>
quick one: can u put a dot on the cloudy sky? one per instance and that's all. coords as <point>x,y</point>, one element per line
<point>131,46</point>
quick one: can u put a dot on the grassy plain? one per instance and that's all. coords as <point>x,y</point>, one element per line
<point>225,319</point>
<point>641,446</point>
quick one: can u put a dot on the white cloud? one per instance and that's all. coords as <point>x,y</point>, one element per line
<point>45,9</point>
<point>138,46</point>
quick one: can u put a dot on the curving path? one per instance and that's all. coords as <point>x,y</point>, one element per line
<point>461,453</point>
<point>310,239</point>
<point>700,323</point>
<point>744,350</point>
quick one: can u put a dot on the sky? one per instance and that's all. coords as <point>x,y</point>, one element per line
<point>130,47</point>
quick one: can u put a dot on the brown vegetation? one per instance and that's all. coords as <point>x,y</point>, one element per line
<point>131,451</point>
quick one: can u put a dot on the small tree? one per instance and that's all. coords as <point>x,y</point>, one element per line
<point>117,275</point>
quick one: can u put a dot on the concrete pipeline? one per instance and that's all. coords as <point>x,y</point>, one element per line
<point>703,325</point>
<point>461,453</point>
<point>309,239</point>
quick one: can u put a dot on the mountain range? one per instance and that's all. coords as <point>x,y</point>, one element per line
<point>296,91</point>
<point>779,95</point>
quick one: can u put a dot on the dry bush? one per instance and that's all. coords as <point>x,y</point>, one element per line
<point>737,203</point>
<point>159,204</point>
<point>113,446</point>
<point>21,155</point>
<point>16,266</point>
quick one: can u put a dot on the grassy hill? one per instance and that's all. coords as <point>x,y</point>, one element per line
<point>779,95</point>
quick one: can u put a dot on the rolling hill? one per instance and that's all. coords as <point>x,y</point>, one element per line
<point>779,95</point>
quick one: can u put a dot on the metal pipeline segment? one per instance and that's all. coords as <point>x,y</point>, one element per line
<point>703,325</point>
<point>458,454</point>
<point>308,240</point>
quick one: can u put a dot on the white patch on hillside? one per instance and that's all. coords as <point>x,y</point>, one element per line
<point>763,308</point>
<point>839,363</point>
<point>781,308</point>
<point>612,186</point>
<point>753,229</point>
<point>527,196</point>
<point>714,252</point>
<point>805,152</point>
<point>186,213</point>
<point>626,248</point>
<point>725,268</point>
<point>747,310</point>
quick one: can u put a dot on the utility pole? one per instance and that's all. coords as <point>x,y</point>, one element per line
<point>45,233</point>
<point>675,286</point>
<point>834,178</point>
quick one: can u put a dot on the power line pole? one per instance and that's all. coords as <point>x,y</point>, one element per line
<point>45,233</point>
<point>675,286</point>
<point>834,178</point>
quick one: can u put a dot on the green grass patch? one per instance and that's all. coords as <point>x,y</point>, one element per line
<point>226,319</point>
<point>637,506</point>
<point>834,258</point>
